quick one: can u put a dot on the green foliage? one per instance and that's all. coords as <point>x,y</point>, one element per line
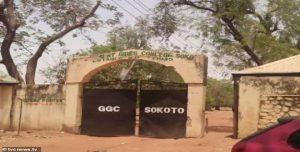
<point>219,93</point>
<point>139,70</point>
<point>132,37</point>
<point>56,73</point>
<point>99,49</point>
<point>258,29</point>
<point>233,28</point>
<point>164,20</point>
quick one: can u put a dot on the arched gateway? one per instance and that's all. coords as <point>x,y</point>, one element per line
<point>192,68</point>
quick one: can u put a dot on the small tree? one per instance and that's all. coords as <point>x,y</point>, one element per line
<point>219,93</point>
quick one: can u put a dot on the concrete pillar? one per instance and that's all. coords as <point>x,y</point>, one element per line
<point>196,110</point>
<point>73,109</point>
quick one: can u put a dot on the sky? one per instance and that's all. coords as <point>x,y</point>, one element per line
<point>131,9</point>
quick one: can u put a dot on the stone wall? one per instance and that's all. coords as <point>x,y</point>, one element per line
<point>264,99</point>
<point>274,107</point>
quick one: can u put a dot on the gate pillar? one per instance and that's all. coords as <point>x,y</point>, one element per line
<point>195,126</point>
<point>73,110</point>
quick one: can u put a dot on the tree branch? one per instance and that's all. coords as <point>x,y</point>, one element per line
<point>56,36</point>
<point>23,46</point>
<point>238,37</point>
<point>3,18</point>
<point>275,28</point>
<point>14,24</point>
<point>264,22</point>
<point>190,3</point>
<point>8,18</point>
<point>32,63</point>
<point>202,1</point>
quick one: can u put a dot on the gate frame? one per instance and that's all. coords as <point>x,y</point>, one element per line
<point>193,71</point>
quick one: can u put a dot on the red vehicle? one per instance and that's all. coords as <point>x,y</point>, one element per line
<point>283,137</point>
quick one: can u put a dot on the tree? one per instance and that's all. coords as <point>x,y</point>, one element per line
<point>219,93</point>
<point>141,70</point>
<point>132,37</point>
<point>20,27</point>
<point>136,36</point>
<point>242,32</point>
<point>56,73</point>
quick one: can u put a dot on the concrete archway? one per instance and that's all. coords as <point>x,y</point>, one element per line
<point>192,68</point>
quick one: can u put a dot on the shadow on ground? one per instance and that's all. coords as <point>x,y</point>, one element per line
<point>227,129</point>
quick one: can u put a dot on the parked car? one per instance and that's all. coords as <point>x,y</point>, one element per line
<point>282,137</point>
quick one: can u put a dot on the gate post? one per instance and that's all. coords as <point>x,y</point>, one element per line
<point>73,109</point>
<point>196,110</point>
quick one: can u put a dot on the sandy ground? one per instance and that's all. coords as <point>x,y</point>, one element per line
<point>218,139</point>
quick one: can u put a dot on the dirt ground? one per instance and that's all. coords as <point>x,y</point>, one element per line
<point>218,139</point>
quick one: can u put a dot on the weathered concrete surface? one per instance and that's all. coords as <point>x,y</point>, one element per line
<point>73,109</point>
<point>248,108</point>
<point>7,84</point>
<point>83,68</point>
<point>5,105</point>
<point>42,107</point>
<point>195,111</point>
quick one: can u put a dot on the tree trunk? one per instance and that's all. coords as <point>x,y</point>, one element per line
<point>218,107</point>
<point>30,71</point>
<point>6,56</point>
<point>9,20</point>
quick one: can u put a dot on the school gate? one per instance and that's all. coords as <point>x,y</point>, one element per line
<point>109,109</point>
<point>183,106</point>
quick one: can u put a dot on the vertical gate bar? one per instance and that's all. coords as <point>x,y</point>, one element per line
<point>20,117</point>
<point>137,115</point>
<point>235,109</point>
